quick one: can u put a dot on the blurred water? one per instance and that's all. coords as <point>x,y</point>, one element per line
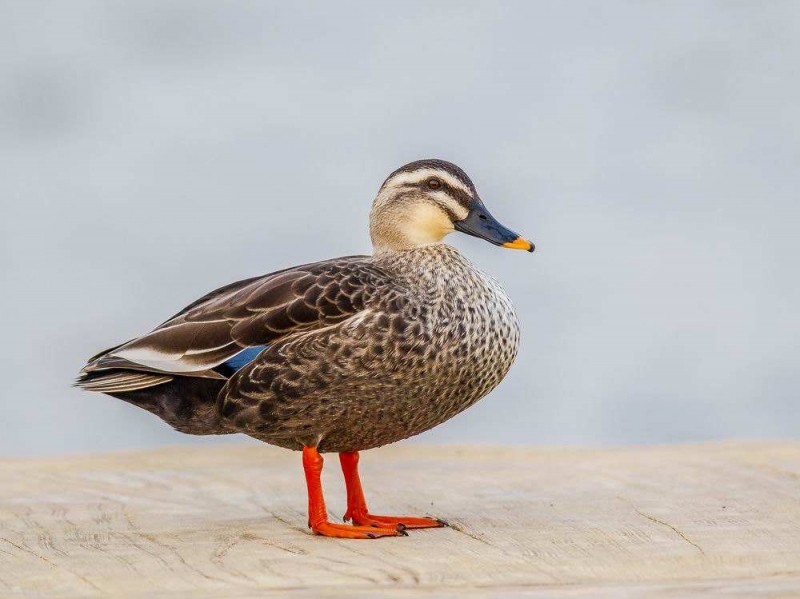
<point>152,151</point>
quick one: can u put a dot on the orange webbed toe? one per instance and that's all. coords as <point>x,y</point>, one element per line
<point>345,531</point>
<point>364,518</point>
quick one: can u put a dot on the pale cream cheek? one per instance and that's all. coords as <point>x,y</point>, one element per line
<point>425,224</point>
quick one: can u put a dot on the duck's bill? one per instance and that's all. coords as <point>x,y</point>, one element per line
<point>480,223</point>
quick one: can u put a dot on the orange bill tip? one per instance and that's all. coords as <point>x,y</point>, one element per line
<point>520,244</point>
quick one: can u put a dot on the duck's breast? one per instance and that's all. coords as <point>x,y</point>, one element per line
<point>476,337</point>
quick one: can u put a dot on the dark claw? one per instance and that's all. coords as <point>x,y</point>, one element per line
<point>442,522</point>
<point>402,532</point>
<point>370,535</point>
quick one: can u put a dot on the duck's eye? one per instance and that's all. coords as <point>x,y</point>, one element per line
<point>434,183</point>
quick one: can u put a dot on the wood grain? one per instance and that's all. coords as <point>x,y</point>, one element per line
<point>714,520</point>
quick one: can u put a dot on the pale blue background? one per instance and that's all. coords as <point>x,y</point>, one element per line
<point>151,151</point>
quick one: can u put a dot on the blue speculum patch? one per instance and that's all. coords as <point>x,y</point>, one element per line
<point>244,357</point>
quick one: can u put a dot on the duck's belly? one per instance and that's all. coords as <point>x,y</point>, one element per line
<point>384,382</point>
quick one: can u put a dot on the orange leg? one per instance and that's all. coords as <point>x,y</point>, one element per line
<point>318,515</point>
<point>357,505</point>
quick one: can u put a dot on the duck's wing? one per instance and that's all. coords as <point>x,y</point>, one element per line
<point>240,319</point>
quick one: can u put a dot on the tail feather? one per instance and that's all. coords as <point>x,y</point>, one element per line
<point>119,381</point>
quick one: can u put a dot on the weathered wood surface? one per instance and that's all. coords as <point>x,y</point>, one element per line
<point>703,520</point>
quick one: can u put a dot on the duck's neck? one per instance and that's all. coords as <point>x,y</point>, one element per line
<point>430,264</point>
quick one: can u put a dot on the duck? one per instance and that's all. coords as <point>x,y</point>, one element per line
<point>343,355</point>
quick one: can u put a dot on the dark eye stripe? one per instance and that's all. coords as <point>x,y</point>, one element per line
<point>458,194</point>
<point>450,214</point>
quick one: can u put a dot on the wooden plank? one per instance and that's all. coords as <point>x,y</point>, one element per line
<point>716,520</point>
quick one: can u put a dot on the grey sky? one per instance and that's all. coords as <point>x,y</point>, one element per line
<point>152,151</point>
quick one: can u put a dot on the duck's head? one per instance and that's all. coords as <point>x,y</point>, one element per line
<point>425,200</point>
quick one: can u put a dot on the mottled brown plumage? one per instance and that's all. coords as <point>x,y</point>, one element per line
<point>427,335</point>
<point>352,353</point>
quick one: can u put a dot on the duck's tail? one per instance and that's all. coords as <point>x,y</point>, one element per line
<point>119,381</point>
<point>187,403</point>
